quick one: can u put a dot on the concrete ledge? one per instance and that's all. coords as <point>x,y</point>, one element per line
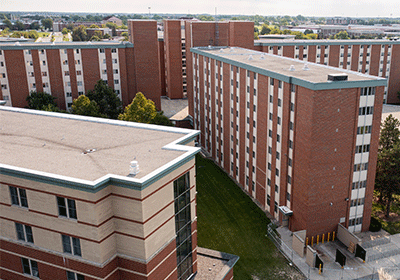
<point>213,264</point>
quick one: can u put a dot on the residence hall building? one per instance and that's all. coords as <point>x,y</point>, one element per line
<point>77,204</point>
<point>290,136</point>
<point>69,69</point>
<point>379,58</point>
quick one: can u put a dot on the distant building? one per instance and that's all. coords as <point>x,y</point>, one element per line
<point>341,20</point>
<point>112,19</point>
<point>91,31</point>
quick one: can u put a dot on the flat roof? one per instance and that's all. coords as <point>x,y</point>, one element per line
<point>393,110</point>
<point>88,149</point>
<point>270,42</point>
<point>65,45</point>
<point>277,67</point>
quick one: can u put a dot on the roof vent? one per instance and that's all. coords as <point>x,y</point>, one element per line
<point>17,44</point>
<point>209,47</point>
<point>231,49</point>
<point>221,50</point>
<point>250,57</point>
<point>338,77</point>
<point>305,67</point>
<point>291,68</point>
<point>88,151</point>
<point>262,56</point>
<point>134,168</point>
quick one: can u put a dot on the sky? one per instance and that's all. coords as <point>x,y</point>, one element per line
<point>322,8</point>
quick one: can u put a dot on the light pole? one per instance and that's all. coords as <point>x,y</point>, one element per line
<point>149,11</point>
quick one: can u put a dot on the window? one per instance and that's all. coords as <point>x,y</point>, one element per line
<point>30,267</point>
<point>77,62</point>
<point>271,99</point>
<point>45,85</point>
<point>80,93</point>
<point>278,138</point>
<point>288,196</point>
<point>277,155</point>
<point>77,51</point>
<point>66,207</point>
<point>3,86</point>
<point>79,72</point>
<point>24,232</point>
<point>290,162</point>
<point>104,71</point>
<point>65,62</point>
<point>79,83</point>
<point>279,120</point>
<point>183,226</point>
<point>44,74</point>
<point>114,60</point>
<point>18,197</point>
<point>269,166</point>
<point>276,188</point>
<point>276,207</point>
<point>279,102</point>
<point>270,116</point>
<point>271,82</point>
<point>280,84</point>
<point>3,75</point>
<point>114,50</point>
<point>364,129</point>
<point>270,133</point>
<point>66,73</point>
<point>116,82</point>
<point>291,125</point>
<point>102,50</point>
<point>71,247</point>
<point>276,171</point>
<point>268,200</point>
<point>74,276</point>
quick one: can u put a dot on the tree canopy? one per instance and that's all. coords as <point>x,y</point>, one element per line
<point>79,33</point>
<point>84,106</point>
<point>109,103</point>
<point>342,35</point>
<point>47,23</point>
<point>387,180</point>
<point>38,100</point>
<point>143,110</point>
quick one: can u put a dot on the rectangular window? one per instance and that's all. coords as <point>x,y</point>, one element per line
<point>116,82</point>
<point>66,73</point>
<point>79,72</point>
<point>30,267</point>
<point>24,232</point>
<point>271,81</point>
<point>18,197</point>
<point>74,276</point>
<point>43,62</point>
<point>66,207</point>
<point>77,62</point>
<point>65,62</point>
<point>268,200</point>
<point>276,207</point>
<point>71,245</point>
<point>44,74</point>
<point>102,50</point>
<point>115,60</point>
<point>290,162</point>
<point>276,171</point>
<point>113,50</point>
<point>288,196</point>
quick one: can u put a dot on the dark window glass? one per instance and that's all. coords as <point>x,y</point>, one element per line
<point>66,240</point>
<point>29,235</point>
<point>25,266</point>
<point>62,209</point>
<point>20,231</point>
<point>22,196</point>
<point>14,196</point>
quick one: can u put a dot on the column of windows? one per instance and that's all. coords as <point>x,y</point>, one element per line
<point>247,131</point>
<point>361,157</point>
<point>305,53</point>
<point>254,112</point>
<point>291,141</point>
<point>278,147</point>
<point>269,143</point>
<point>44,69</point>
<point>66,77</point>
<point>361,57</point>
<point>341,58</point>
<point>4,80</point>
<point>116,72</point>
<point>29,70</point>
<point>231,142</point>
<point>237,91</point>
<point>79,72</point>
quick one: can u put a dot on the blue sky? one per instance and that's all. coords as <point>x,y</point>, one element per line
<point>352,8</point>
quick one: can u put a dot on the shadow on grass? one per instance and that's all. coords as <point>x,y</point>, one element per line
<point>229,221</point>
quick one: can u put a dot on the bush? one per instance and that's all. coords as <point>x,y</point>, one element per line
<point>375,225</point>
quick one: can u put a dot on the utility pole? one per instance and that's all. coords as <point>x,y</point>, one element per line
<point>149,11</point>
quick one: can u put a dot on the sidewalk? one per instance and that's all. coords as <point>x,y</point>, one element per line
<point>355,268</point>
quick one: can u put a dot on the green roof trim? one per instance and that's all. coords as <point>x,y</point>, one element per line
<point>296,81</point>
<point>323,42</point>
<point>64,45</point>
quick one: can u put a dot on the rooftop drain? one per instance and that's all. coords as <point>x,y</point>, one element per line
<point>250,57</point>
<point>262,56</point>
<point>305,68</point>
<point>291,68</point>
<point>88,151</point>
<point>338,77</point>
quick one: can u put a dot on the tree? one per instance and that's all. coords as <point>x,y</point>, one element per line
<point>387,180</point>
<point>35,25</point>
<point>79,33</point>
<point>8,23</point>
<point>109,103</point>
<point>140,110</point>
<point>47,23</point>
<point>38,100</point>
<point>85,107</point>
<point>143,110</point>
<point>308,31</point>
<point>94,26</point>
<point>95,38</point>
<point>390,134</point>
<point>19,25</point>
<point>65,31</point>
<point>342,35</point>
<point>125,34</point>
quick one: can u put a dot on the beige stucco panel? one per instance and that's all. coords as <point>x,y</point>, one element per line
<point>155,222</point>
<point>158,240</point>
<point>127,208</point>
<point>7,229</point>
<point>130,246</point>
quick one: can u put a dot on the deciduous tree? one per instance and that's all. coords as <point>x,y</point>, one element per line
<point>84,106</point>
<point>109,103</point>
<point>38,100</point>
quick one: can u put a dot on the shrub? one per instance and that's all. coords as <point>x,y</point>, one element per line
<point>375,225</point>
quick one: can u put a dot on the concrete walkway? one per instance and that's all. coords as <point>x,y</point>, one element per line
<point>387,266</point>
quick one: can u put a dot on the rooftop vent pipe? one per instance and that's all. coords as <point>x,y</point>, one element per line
<point>134,168</point>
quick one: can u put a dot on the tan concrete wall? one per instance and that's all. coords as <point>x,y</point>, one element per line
<point>310,256</point>
<point>346,236</point>
<point>298,244</point>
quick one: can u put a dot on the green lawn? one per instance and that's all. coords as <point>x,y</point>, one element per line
<point>229,221</point>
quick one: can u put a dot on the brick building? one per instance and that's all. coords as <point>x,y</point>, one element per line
<point>74,206</point>
<point>289,136</point>
<point>374,57</point>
